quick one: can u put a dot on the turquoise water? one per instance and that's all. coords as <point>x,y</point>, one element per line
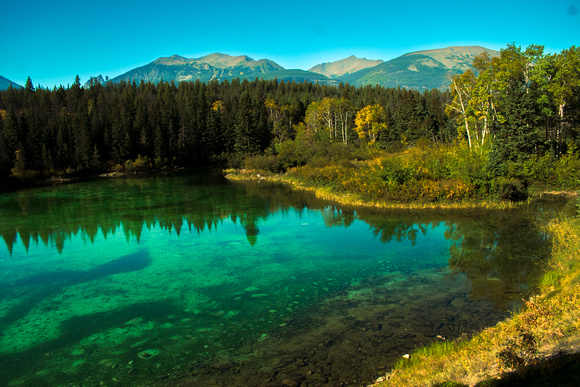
<point>192,279</point>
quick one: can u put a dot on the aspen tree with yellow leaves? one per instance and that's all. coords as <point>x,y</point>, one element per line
<point>370,121</point>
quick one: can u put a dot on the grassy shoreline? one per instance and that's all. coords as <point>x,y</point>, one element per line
<point>350,199</point>
<point>529,344</point>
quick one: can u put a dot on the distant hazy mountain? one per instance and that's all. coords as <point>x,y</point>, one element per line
<point>344,67</point>
<point>421,70</point>
<point>98,79</point>
<point>5,83</point>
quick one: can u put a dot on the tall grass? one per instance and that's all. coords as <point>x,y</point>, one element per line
<point>564,269</point>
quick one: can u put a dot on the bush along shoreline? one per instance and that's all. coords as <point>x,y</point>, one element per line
<point>419,176</point>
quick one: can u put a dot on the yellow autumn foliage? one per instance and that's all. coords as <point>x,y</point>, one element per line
<point>413,175</point>
<point>369,121</point>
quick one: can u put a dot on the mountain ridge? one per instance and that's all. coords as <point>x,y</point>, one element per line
<point>5,83</point>
<point>420,70</point>
<point>206,68</point>
<point>455,57</point>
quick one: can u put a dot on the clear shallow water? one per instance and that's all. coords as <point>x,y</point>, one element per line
<point>196,281</point>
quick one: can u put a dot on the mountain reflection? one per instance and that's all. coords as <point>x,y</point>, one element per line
<point>500,251</point>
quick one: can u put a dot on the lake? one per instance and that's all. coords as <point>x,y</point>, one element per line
<point>195,280</point>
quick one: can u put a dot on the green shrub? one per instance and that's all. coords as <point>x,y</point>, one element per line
<point>510,189</point>
<point>539,168</point>
<point>129,165</point>
<point>289,155</point>
<point>233,160</point>
<point>141,163</point>
<point>263,163</point>
<point>568,170</point>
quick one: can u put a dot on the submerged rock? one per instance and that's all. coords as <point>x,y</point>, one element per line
<point>223,365</point>
<point>134,321</point>
<point>148,353</point>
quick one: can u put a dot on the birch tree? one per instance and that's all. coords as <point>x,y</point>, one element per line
<point>344,110</point>
<point>461,88</point>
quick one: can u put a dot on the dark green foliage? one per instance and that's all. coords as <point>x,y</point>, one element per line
<point>518,137</point>
<point>511,189</point>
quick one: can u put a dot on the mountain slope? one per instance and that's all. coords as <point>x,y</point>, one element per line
<point>5,83</point>
<point>297,76</point>
<point>344,66</point>
<point>456,58</point>
<point>421,70</point>
<point>411,72</point>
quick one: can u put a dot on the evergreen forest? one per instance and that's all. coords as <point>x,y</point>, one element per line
<point>510,123</point>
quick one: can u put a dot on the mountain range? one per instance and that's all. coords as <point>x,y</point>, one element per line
<point>419,70</point>
<point>344,67</point>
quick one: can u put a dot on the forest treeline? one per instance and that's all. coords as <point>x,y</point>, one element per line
<point>516,111</point>
<point>183,125</point>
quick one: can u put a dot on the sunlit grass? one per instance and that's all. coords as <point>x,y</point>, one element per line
<point>419,177</point>
<point>565,264</point>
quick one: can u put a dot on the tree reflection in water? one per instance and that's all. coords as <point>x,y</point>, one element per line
<point>500,251</point>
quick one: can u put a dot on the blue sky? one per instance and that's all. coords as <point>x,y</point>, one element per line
<point>53,41</point>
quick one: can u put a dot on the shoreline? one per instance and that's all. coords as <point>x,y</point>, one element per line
<point>354,200</point>
<point>551,317</point>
